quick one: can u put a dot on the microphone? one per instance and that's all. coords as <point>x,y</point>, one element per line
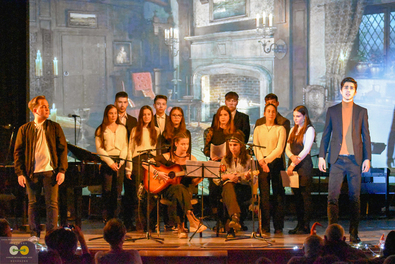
<point>70,115</point>
<point>8,126</point>
<point>253,145</point>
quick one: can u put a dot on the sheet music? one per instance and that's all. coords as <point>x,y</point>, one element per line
<point>217,151</point>
<point>290,181</point>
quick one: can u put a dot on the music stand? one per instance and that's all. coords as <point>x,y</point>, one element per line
<point>148,235</point>
<point>254,196</point>
<point>202,169</point>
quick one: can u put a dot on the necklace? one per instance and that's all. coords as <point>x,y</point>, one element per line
<point>268,129</point>
<point>181,157</point>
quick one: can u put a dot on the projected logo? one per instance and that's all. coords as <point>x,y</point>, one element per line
<point>14,250</point>
<point>17,251</point>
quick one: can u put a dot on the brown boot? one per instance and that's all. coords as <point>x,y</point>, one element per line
<point>194,223</point>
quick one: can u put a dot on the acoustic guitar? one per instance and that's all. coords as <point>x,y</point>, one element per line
<point>239,175</point>
<point>174,172</point>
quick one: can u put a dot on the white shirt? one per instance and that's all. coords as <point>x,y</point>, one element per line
<point>134,149</point>
<point>115,144</point>
<point>308,140</point>
<point>272,138</point>
<point>123,118</point>
<point>42,157</point>
<point>161,122</point>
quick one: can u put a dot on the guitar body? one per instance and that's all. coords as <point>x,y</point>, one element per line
<point>157,185</point>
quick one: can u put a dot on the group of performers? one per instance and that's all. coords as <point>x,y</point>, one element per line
<point>128,145</point>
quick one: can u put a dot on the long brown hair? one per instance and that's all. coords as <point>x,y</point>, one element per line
<point>239,137</point>
<point>230,128</point>
<point>138,135</point>
<point>100,129</point>
<point>170,129</point>
<point>177,138</point>
<point>307,123</point>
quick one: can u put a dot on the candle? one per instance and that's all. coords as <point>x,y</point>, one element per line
<point>176,33</point>
<point>39,64</point>
<point>264,18</point>
<point>166,34</point>
<point>52,113</point>
<point>270,20</point>
<point>257,20</point>
<point>55,66</point>
<point>171,33</point>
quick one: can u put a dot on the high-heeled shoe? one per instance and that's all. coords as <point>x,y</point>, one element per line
<point>194,223</point>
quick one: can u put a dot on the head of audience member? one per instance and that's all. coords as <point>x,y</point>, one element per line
<point>223,119</point>
<point>389,260</point>
<point>114,233</point>
<point>39,107</point>
<point>312,246</point>
<point>160,104</point>
<point>263,260</point>
<point>334,233</point>
<point>389,245</point>
<point>177,121</point>
<point>235,147</point>
<point>5,228</point>
<point>64,241</point>
<point>49,257</point>
<point>121,102</point>
<point>270,114</point>
<point>301,119</point>
<point>145,120</point>
<point>271,99</point>
<point>348,89</point>
<point>231,100</point>
<point>180,144</point>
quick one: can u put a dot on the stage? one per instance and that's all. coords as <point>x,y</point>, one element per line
<point>212,249</point>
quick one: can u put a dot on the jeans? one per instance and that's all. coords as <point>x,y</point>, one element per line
<point>33,187</point>
<point>345,166</point>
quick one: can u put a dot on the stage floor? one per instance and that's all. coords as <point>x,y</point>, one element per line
<point>280,247</point>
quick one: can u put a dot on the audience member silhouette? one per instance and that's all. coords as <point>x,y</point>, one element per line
<point>64,240</point>
<point>312,247</point>
<point>335,245</point>
<point>114,233</point>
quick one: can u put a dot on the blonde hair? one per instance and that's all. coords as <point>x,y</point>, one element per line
<point>34,102</point>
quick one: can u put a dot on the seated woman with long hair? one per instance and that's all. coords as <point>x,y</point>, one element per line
<point>178,194</point>
<point>112,146</point>
<point>235,176</point>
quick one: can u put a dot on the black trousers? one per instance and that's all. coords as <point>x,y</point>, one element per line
<point>277,206</point>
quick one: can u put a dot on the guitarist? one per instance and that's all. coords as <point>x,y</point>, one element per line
<point>179,194</point>
<point>236,176</point>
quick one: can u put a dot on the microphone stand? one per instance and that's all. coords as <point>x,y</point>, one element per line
<point>148,234</point>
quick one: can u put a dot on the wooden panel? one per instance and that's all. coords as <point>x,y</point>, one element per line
<point>300,50</point>
<point>83,72</point>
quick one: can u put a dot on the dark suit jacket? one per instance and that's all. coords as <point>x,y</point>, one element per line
<point>131,122</point>
<point>282,121</point>
<point>333,132</point>
<point>161,138</point>
<point>241,122</point>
